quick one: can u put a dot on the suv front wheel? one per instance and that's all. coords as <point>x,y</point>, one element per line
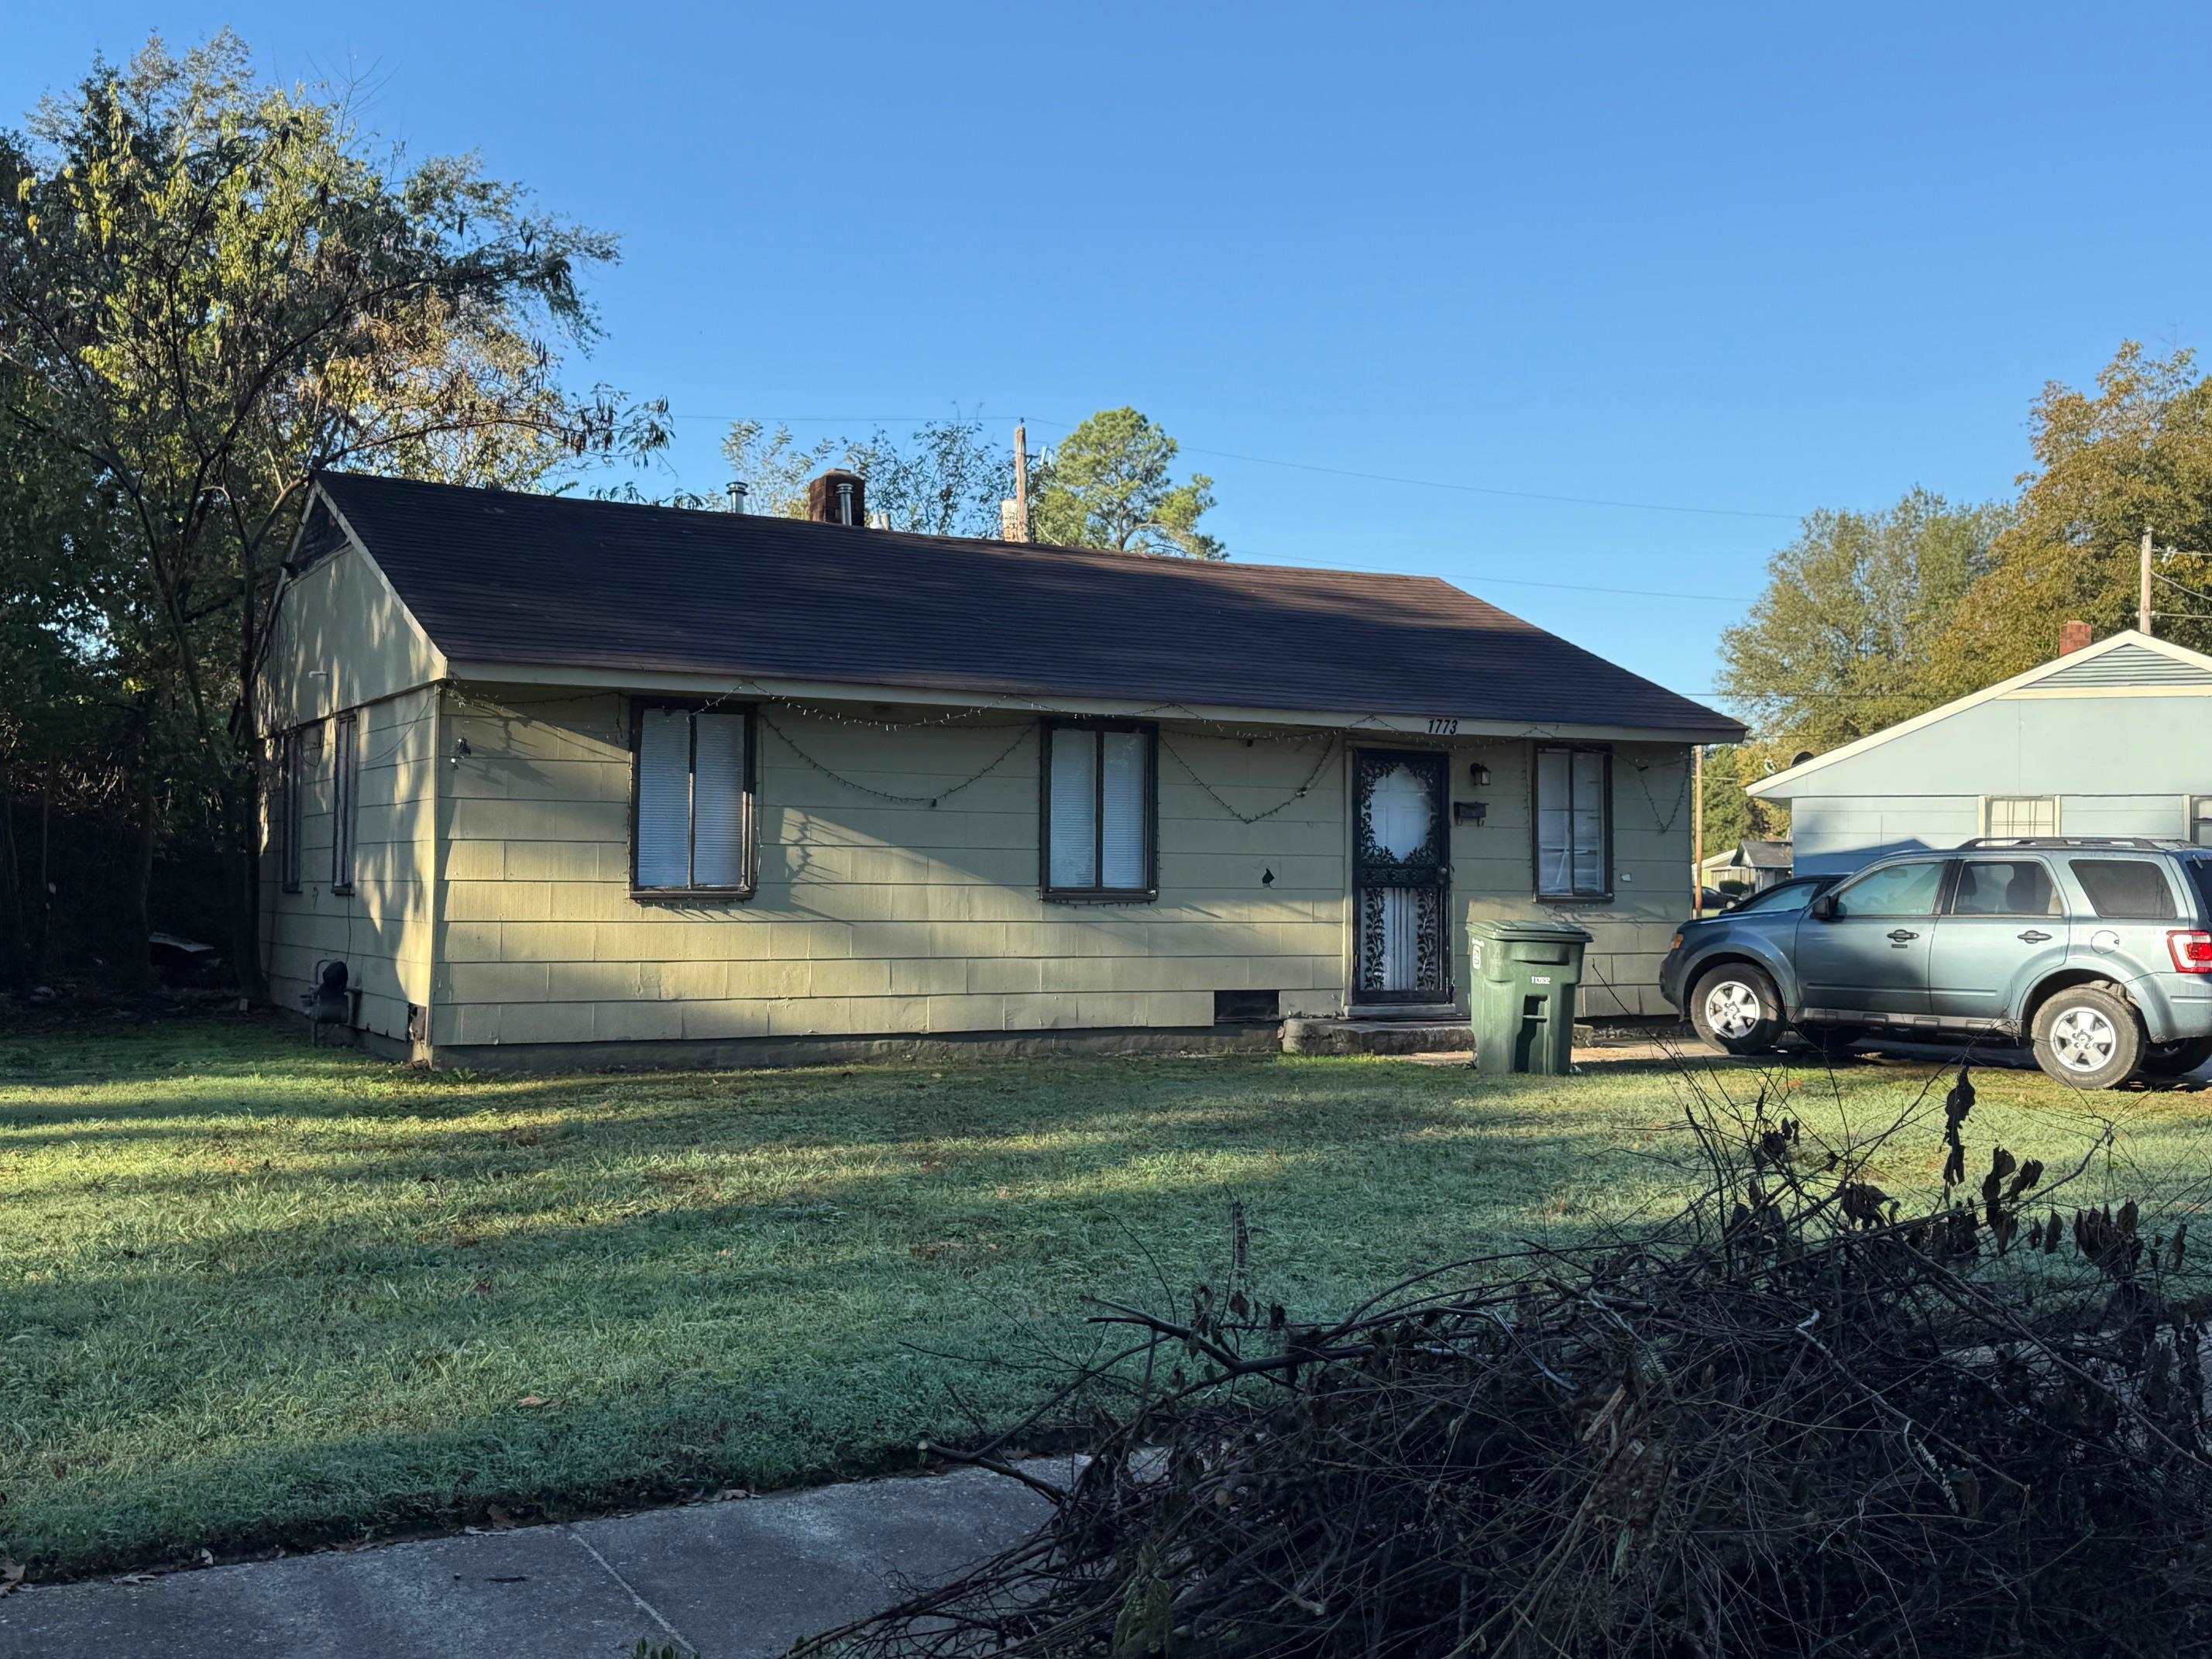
<point>2089,1038</point>
<point>1735,1007</point>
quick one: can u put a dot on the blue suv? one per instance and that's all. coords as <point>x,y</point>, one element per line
<point>2095,950</point>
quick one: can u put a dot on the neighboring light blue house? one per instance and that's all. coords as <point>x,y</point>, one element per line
<point>2114,738</point>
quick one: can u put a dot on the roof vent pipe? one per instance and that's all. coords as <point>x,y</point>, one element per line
<point>738,493</point>
<point>844,501</point>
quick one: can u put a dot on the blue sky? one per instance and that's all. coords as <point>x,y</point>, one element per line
<point>1723,258</point>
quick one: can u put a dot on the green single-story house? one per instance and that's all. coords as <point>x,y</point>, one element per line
<point>567,780</point>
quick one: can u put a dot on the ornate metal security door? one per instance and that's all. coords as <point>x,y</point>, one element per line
<point>1402,876</point>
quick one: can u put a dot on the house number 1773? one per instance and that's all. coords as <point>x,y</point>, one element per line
<point>1441,727</point>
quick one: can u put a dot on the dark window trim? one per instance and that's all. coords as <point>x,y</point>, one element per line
<point>1603,894</point>
<point>748,839</point>
<point>345,802</point>
<point>1151,890</point>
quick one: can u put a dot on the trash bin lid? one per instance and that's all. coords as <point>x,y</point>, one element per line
<point>1535,932</point>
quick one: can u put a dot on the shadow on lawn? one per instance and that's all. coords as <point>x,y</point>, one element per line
<point>718,1279</point>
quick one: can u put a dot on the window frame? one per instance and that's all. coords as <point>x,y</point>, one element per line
<point>345,799</point>
<point>2197,810</point>
<point>1604,892</point>
<point>292,808</point>
<point>1150,731</point>
<point>2058,817</point>
<point>749,839</point>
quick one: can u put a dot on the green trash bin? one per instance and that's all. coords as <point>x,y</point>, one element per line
<point>1523,1006</point>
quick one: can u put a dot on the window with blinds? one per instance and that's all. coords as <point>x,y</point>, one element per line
<point>345,773</point>
<point>1101,810</point>
<point>1574,823</point>
<point>692,800</point>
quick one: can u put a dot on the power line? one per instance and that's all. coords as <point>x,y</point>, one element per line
<point>1300,467</point>
<point>1246,555</point>
<point>2193,592</point>
<point>1470,489</point>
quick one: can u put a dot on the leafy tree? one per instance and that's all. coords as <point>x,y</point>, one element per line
<point>65,710</point>
<point>1110,484</point>
<point>774,466</point>
<point>948,480</point>
<point>210,288</point>
<point>2137,452</point>
<point>945,479</point>
<point>1730,815</point>
<point>1844,638</point>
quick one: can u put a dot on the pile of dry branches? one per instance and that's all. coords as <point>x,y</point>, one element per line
<point>1793,1421</point>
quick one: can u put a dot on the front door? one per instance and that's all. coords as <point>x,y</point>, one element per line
<point>1868,953</point>
<point>1401,878</point>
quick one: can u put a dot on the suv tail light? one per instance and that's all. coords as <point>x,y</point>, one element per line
<point>2191,951</point>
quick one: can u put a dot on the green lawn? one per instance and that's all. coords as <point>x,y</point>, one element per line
<point>254,1293</point>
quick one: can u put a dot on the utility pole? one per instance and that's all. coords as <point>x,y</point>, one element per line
<point>1697,829</point>
<point>1022,490</point>
<point>2143,599</point>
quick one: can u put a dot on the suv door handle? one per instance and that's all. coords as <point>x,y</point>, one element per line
<point>1902,936</point>
<point>2035,936</point>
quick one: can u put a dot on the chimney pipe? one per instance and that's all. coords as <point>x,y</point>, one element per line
<point>838,497</point>
<point>2075,637</point>
<point>738,493</point>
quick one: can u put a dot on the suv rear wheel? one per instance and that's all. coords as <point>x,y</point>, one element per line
<point>1736,1008</point>
<point>2089,1038</point>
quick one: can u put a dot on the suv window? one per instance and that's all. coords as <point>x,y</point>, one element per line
<point>2004,887</point>
<point>1782,896</point>
<point>1897,889</point>
<point>2125,890</point>
<point>2200,876</point>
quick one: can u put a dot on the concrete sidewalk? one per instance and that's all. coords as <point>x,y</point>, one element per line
<point>725,1581</point>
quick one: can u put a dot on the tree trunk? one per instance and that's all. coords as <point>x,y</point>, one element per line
<point>242,799</point>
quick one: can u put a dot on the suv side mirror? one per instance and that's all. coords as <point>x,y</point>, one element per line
<point>1824,908</point>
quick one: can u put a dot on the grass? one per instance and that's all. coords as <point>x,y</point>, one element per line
<point>253,1293</point>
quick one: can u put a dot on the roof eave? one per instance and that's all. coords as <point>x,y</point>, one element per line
<point>1044,700</point>
<point>1771,789</point>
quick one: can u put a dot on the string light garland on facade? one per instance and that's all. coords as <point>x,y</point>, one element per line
<point>1666,820</point>
<point>1327,750</point>
<point>931,801</point>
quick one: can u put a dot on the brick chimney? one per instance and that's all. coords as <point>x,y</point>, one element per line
<point>2075,637</point>
<point>838,497</point>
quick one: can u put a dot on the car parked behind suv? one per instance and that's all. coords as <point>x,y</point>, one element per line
<point>2097,951</point>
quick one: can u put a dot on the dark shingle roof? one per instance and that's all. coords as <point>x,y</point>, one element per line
<point>546,581</point>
